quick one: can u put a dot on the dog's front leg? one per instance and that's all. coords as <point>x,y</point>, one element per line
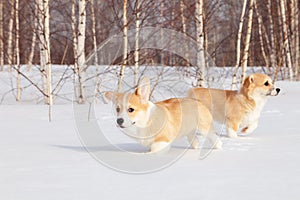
<point>160,147</point>
<point>250,128</point>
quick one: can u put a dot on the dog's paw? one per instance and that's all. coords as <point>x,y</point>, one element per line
<point>160,147</point>
<point>218,145</point>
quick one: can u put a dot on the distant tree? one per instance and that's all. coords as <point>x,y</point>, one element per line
<point>125,45</point>
<point>44,45</point>
<point>17,50</point>
<point>81,50</point>
<point>1,37</point>
<point>200,43</point>
<point>244,62</point>
<point>238,46</point>
<point>10,52</point>
<point>286,39</point>
<point>137,33</point>
<point>34,17</point>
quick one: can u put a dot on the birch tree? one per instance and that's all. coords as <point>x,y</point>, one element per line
<point>200,43</point>
<point>17,49</point>
<point>81,49</point>
<point>44,45</point>
<point>238,45</point>
<point>136,49</point>
<point>94,31</point>
<point>247,42</point>
<point>1,37</point>
<point>10,34</point>
<point>33,38</point>
<point>272,49</point>
<point>295,38</point>
<point>260,33</point>
<point>286,39</point>
<point>125,47</point>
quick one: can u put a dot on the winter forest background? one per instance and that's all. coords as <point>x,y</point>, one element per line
<point>39,34</point>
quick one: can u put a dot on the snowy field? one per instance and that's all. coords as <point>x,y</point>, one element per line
<point>42,160</point>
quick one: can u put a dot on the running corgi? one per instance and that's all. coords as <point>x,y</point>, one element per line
<point>238,109</point>
<point>157,125</point>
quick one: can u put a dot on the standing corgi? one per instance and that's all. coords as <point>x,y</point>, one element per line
<point>238,109</point>
<point>157,125</point>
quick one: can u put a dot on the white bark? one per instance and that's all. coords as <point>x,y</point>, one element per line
<point>125,43</point>
<point>183,22</point>
<point>183,19</point>
<point>260,32</point>
<point>10,34</point>
<point>161,16</point>
<point>272,49</point>
<point>94,32</point>
<point>297,42</point>
<point>33,39</point>
<point>74,40</point>
<point>200,43</point>
<point>286,39</point>
<point>136,49</point>
<point>238,46</point>
<point>44,44</point>
<point>247,42</point>
<point>1,37</point>
<point>81,49</point>
<point>17,49</point>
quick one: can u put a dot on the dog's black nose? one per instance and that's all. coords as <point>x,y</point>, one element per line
<point>120,121</point>
<point>277,90</point>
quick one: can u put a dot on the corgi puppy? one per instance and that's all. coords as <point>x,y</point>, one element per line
<point>157,125</point>
<point>238,109</point>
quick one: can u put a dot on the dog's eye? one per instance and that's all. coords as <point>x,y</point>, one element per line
<point>266,83</point>
<point>118,109</point>
<point>130,110</point>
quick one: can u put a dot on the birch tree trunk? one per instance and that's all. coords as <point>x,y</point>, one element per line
<point>286,39</point>
<point>183,22</point>
<point>10,35</point>
<point>44,44</point>
<point>33,39</point>
<point>295,22</point>
<point>282,56</point>
<point>17,49</point>
<point>136,49</point>
<point>260,32</point>
<point>1,37</point>
<point>81,50</point>
<point>200,43</point>
<point>161,16</point>
<point>272,49</point>
<point>74,40</point>
<point>238,46</point>
<point>94,32</point>
<point>247,42</point>
<point>125,43</point>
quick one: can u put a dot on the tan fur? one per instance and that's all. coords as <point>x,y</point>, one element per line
<point>237,109</point>
<point>159,124</point>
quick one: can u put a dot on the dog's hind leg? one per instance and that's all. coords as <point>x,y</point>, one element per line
<point>193,140</point>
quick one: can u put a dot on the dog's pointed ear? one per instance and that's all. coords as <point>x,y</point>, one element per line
<point>143,89</point>
<point>248,81</point>
<point>111,96</point>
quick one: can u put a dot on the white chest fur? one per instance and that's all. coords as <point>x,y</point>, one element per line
<point>252,117</point>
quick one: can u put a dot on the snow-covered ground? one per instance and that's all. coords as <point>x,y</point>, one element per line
<point>42,160</point>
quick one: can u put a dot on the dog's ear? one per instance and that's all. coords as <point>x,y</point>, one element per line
<point>143,89</point>
<point>111,96</point>
<point>248,81</point>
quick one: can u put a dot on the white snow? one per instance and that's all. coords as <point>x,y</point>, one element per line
<point>43,160</point>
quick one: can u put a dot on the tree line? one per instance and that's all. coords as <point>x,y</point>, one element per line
<point>237,33</point>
